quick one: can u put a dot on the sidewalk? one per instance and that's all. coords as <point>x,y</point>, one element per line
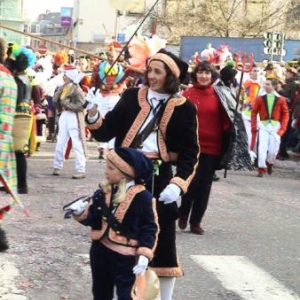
<point>46,150</point>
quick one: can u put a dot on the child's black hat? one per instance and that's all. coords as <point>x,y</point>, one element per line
<point>131,162</point>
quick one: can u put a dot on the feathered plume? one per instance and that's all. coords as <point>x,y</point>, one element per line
<point>142,48</point>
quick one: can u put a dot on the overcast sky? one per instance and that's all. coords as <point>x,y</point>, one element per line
<point>33,8</point>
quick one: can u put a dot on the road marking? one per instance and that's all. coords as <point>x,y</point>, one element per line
<point>244,278</point>
<point>8,276</point>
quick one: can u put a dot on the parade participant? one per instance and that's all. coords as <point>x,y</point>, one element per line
<point>216,110</point>
<point>69,101</point>
<point>290,88</point>
<point>107,84</point>
<point>39,107</point>
<point>252,87</point>
<point>60,59</point>
<point>83,66</point>
<point>296,123</point>
<point>18,60</point>
<point>8,101</point>
<point>274,116</point>
<point>156,121</point>
<point>7,113</point>
<point>124,224</point>
<point>270,70</point>
<point>227,76</point>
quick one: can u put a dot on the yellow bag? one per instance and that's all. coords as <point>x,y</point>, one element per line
<point>146,286</point>
<point>21,131</point>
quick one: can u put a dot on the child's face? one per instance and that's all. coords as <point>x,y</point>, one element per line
<point>112,173</point>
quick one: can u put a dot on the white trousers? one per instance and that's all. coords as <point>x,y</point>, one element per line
<point>268,145</point>
<point>68,127</point>
<point>105,104</point>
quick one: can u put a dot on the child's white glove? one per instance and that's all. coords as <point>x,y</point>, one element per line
<point>141,265</point>
<point>170,193</point>
<point>78,207</point>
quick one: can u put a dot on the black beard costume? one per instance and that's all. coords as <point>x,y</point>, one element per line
<point>3,241</point>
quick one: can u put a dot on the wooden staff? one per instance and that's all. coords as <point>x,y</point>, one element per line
<point>48,41</point>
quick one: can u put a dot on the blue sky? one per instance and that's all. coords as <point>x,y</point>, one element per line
<point>33,8</point>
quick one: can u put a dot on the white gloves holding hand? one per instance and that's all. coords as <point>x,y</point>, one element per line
<point>78,207</point>
<point>253,156</point>
<point>141,265</point>
<point>170,193</point>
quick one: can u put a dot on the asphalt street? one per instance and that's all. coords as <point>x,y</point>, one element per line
<point>250,249</point>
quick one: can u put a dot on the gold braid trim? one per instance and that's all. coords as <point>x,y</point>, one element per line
<point>124,205</point>
<point>96,124</point>
<point>149,253</point>
<point>168,61</point>
<point>146,252</point>
<point>140,119</point>
<point>168,272</point>
<point>121,164</point>
<point>171,104</point>
<point>119,215</point>
<point>183,184</point>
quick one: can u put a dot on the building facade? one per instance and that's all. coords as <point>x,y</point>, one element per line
<point>11,16</point>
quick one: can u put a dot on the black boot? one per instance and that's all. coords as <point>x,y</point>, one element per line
<point>3,241</point>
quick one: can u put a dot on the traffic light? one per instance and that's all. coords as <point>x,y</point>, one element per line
<point>273,43</point>
<point>268,45</point>
<point>278,43</point>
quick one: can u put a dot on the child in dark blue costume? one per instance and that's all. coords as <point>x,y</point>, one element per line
<point>122,215</point>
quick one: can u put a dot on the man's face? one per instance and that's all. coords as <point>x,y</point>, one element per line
<point>254,73</point>
<point>111,57</point>
<point>269,88</point>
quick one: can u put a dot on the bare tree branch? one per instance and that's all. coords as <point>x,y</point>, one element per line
<point>224,18</point>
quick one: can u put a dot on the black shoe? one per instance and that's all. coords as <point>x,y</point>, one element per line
<point>2,189</point>
<point>3,241</point>
<point>23,190</point>
<point>270,169</point>
<point>182,222</point>
<point>197,229</point>
<point>283,156</point>
<point>38,145</point>
<point>216,178</point>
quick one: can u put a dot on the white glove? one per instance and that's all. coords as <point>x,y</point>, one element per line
<point>277,137</point>
<point>78,207</point>
<point>90,105</point>
<point>141,265</point>
<point>170,193</point>
<point>253,156</point>
<point>91,99</point>
<point>294,123</point>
